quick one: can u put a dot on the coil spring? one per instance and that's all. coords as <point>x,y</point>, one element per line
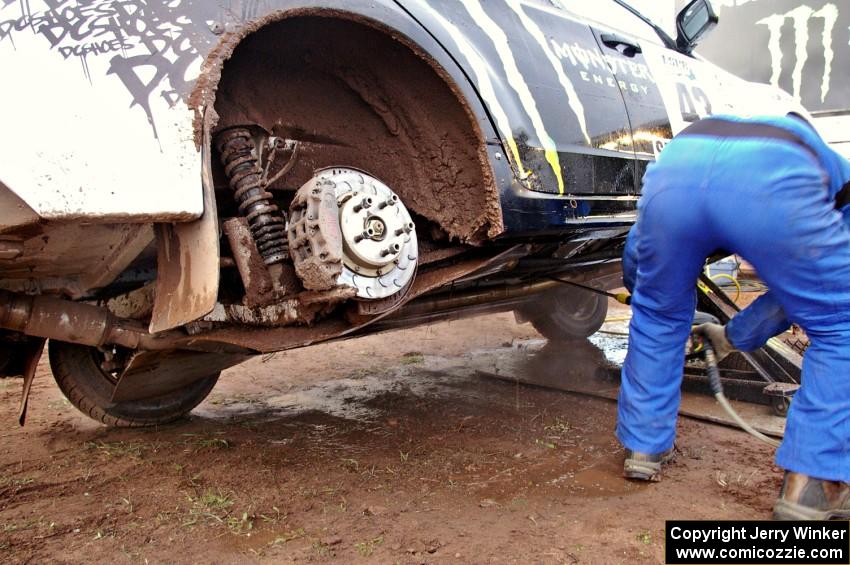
<point>268,226</point>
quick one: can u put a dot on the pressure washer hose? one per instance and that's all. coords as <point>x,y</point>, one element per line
<point>710,360</point>
<point>717,390</point>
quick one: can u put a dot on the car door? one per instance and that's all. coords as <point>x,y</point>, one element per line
<point>543,78</point>
<point>632,49</point>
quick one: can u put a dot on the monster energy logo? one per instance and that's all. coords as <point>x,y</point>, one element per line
<point>800,17</point>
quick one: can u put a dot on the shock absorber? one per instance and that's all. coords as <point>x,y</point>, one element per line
<point>241,165</point>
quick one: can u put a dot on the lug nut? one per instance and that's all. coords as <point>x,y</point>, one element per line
<point>409,227</point>
<point>391,201</point>
<point>365,203</point>
<point>368,233</point>
<point>394,248</point>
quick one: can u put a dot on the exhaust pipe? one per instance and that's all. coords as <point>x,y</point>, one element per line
<point>75,322</point>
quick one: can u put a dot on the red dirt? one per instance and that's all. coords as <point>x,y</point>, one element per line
<point>356,452</point>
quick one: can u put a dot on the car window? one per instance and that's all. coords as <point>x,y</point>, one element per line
<point>609,14</point>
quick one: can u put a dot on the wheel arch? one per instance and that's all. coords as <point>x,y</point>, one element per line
<point>457,190</point>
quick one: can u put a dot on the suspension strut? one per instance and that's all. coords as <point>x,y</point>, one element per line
<point>241,165</point>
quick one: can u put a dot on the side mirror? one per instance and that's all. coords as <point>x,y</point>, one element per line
<point>693,23</point>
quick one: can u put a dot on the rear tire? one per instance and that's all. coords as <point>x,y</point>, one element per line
<point>87,386</point>
<point>567,314</point>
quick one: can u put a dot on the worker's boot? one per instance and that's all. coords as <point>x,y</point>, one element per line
<point>805,498</point>
<point>645,466</point>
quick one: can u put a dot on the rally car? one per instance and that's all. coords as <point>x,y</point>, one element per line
<point>187,184</point>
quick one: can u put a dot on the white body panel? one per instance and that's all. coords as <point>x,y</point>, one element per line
<point>836,131</point>
<point>75,141</point>
<point>710,89</point>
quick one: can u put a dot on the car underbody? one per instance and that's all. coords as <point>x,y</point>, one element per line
<point>348,189</point>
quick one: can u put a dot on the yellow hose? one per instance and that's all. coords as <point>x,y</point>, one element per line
<point>734,281</point>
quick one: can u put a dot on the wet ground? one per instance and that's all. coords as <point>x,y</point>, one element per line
<point>386,449</point>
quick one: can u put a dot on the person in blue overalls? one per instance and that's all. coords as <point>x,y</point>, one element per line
<point>772,191</point>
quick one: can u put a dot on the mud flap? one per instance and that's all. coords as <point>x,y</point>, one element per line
<point>188,260</point>
<point>153,373</point>
<point>32,355</point>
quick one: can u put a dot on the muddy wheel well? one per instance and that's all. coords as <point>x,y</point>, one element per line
<point>356,96</point>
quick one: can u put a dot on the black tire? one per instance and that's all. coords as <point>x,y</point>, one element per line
<point>87,386</point>
<point>567,314</point>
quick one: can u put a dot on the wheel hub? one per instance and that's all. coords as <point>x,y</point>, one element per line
<point>375,230</point>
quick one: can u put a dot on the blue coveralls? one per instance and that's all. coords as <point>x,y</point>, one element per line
<point>769,195</point>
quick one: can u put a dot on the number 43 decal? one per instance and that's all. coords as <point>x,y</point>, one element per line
<point>693,102</point>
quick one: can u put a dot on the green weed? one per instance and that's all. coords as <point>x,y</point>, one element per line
<point>366,548</point>
<point>412,358</point>
<point>288,536</point>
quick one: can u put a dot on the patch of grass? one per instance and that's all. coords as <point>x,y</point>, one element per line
<point>164,516</point>
<point>15,482</point>
<point>412,358</point>
<point>518,503</point>
<point>207,443</point>
<point>308,492</point>
<point>645,538</point>
<point>101,534</point>
<point>558,427</point>
<point>213,500</point>
<point>214,507</point>
<point>213,443</point>
<point>211,507</point>
<point>321,549</point>
<point>366,548</point>
<point>288,536</point>
<point>131,555</point>
<point>122,449</point>
<point>544,443</point>
<point>240,525</point>
<point>330,497</point>
<point>32,523</point>
<point>273,518</point>
<point>350,464</point>
<point>193,480</point>
<point>59,404</point>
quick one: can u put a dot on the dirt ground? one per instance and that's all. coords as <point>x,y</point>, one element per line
<point>384,449</point>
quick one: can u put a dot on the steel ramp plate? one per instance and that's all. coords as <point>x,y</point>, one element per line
<point>773,362</point>
<point>583,368</point>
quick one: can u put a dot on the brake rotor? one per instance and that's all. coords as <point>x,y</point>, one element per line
<point>379,250</point>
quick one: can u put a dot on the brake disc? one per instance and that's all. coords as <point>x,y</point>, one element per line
<point>349,228</point>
